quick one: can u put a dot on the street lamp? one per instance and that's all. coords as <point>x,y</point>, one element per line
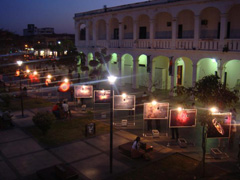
<point>20,64</point>
<point>111,80</point>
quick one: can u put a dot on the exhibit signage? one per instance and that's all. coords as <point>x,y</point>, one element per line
<point>219,126</point>
<point>83,91</point>
<point>126,102</point>
<point>182,118</point>
<point>102,96</point>
<point>155,111</point>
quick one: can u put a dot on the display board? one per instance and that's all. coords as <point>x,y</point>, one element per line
<point>183,118</point>
<point>219,126</point>
<point>102,96</point>
<point>124,103</point>
<point>83,91</point>
<point>155,111</point>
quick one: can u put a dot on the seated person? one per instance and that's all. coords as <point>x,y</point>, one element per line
<point>56,110</point>
<point>136,151</point>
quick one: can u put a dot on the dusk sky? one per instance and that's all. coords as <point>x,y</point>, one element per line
<point>16,14</point>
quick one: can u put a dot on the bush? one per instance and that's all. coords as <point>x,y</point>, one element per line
<point>44,121</point>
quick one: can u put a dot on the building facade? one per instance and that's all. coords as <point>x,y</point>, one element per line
<point>160,44</point>
<point>32,30</point>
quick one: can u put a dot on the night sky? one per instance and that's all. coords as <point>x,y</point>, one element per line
<point>16,14</point>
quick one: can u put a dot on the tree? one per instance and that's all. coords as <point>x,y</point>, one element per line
<point>210,92</point>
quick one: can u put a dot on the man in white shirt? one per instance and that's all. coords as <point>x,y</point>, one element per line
<point>65,108</point>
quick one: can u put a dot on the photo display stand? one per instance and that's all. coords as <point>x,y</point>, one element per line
<point>155,112</point>
<point>102,100</point>
<point>124,108</point>
<point>219,128</point>
<point>182,118</point>
<point>82,92</point>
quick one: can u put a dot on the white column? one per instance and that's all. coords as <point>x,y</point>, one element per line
<point>135,33</point>
<point>223,31</point>
<point>194,74</point>
<point>119,61</point>
<point>174,32</point>
<point>120,34</point>
<point>87,34</point>
<point>196,31</point>
<point>76,33</point>
<point>219,69</point>
<point>173,78</point>
<point>151,32</point>
<point>135,72</point>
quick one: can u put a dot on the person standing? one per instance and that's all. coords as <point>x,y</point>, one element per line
<point>66,109</point>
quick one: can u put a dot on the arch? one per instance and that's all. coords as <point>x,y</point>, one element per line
<point>233,76</point>
<point>82,32</point>
<point>233,22</point>
<point>114,28</point>
<point>205,67</point>
<point>101,30</point>
<point>160,77</point>
<point>127,27</point>
<point>163,26</point>
<point>210,23</point>
<point>143,30</point>
<point>142,75</point>
<point>183,72</point>
<point>127,69</point>
<point>185,25</point>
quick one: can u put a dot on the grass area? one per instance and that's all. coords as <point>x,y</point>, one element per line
<point>176,166</point>
<point>67,131</point>
<point>28,102</point>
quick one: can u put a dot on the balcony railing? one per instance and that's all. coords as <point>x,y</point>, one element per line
<point>184,44</point>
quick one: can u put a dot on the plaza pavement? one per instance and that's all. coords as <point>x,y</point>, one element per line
<point>21,155</point>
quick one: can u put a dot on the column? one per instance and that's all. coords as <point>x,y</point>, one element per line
<point>174,32</point>
<point>219,69</point>
<point>151,33</point>
<point>120,34</point>
<point>76,34</point>
<point>196,31</point>
<point>223,31</point>
<point>135,72</point>
<point>194,74</point>
<point>173,78</point>
<point>151,87</point>
<point>87,34</point>
<point>94,32</point>
<point>119,61</point>
<point>135,33</point>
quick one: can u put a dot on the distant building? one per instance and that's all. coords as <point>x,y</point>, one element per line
<point>32,30</point>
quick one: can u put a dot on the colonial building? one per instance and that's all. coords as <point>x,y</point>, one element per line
<point>164,43</point>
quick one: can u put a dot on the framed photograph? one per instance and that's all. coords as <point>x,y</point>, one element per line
<point>155,111</point>
<point>121,102</point>
<point>183,118</point>
<point>219,126</point>
<point>83,91</point>
<point>102,96</point>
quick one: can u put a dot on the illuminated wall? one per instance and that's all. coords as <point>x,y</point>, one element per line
<point>206,67</point>
<point>142,75</point>
<point>127,68</point>
<point>233,76</point>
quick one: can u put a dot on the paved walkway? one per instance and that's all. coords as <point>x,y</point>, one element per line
<point>21,155</point>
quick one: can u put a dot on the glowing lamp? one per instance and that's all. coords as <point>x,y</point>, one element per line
<point>28,71</point>
<point>112,79</point>
<point>179,109</point>
<point>124,95</point>
<point>213,109</point>
<point>17,73</point>
<point>35,73</point>
<point>49,76</point>
<point>66,80</point>
<point>154,102</point>
<point>214,60</point>
<point>19,63</point>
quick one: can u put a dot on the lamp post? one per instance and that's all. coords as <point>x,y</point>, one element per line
<point>111,80</point>
<point>20,64</point>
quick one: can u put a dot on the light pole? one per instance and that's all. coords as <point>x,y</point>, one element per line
<point>20,64</point>
<point>111,80</point>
